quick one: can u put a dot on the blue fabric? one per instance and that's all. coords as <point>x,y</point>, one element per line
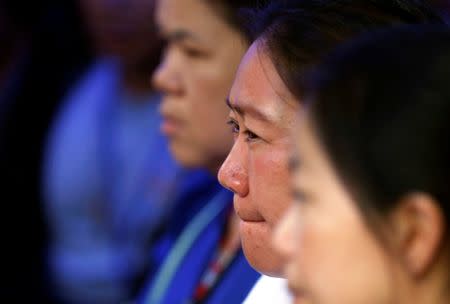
<point>236,284</point>
<point>236,281</point>
<point>109,184</point>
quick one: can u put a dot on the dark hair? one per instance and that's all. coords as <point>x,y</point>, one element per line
<point>21,15</point>
<point>381,108</point>
<point>297,34</point>
<point>231,10</point>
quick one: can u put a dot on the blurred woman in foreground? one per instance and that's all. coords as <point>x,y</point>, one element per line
<point>375,135</point>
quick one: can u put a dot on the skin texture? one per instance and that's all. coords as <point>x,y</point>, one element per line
<point>333,257</point>
<point>195,75</point>
<point>262,117</point>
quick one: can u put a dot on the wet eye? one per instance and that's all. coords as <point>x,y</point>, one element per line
<point>235,129</point>
<point>251,136</point>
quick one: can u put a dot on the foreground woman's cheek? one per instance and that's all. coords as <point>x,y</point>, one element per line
<point>284,240</point>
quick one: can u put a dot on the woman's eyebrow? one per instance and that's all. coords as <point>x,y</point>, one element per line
<point>249,109</point>
<point>178,35</point>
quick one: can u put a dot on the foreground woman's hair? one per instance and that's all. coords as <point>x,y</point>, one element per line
<point>381,110</point>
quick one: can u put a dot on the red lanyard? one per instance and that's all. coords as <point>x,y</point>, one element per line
<point>224,256</point>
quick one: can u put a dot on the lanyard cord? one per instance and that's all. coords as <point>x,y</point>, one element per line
<point>183,245</point>
<point>226,254</point>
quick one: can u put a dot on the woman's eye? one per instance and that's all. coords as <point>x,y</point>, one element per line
<point>250,136</point>
<point>193,53</point>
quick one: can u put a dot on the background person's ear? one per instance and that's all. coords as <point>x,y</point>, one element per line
<point>419,227</point>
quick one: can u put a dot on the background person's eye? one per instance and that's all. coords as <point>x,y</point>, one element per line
<point>193,52</point>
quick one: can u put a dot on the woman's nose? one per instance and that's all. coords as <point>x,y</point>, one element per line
<point>233,173</point>
<point>165,79</point>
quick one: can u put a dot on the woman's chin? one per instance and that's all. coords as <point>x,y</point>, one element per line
<point>257,245</point>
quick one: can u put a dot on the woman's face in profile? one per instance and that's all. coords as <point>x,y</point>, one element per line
<point>331,255</point>
<point>195,75</point>
<point>262,114</point>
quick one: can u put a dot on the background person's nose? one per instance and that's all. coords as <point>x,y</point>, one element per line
<point>164,79</point>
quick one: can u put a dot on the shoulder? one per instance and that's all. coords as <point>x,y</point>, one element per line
<point>269,290</point>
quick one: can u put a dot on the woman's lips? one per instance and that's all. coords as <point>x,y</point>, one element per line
<point>170,126</point>
<point>298,295</point>
<point>250,217</point>
<point>246,214</point>
<point>294,286</point>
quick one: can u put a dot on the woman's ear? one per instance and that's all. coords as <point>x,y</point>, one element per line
<point>419,226</point>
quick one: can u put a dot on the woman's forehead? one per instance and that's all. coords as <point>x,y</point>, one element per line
<point>174,16</point>
<point>257,81</point>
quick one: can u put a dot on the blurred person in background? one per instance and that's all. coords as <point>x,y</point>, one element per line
<point>42,51</point>
<point>443,7</point>
<point>290,37</point>
<point>375,135</point>
<point>110,181</point>
<point>203,262</point>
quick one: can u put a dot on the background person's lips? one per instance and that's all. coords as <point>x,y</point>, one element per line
<point>299,298</point>
<point>170,125</point>
<point>297,294</point>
